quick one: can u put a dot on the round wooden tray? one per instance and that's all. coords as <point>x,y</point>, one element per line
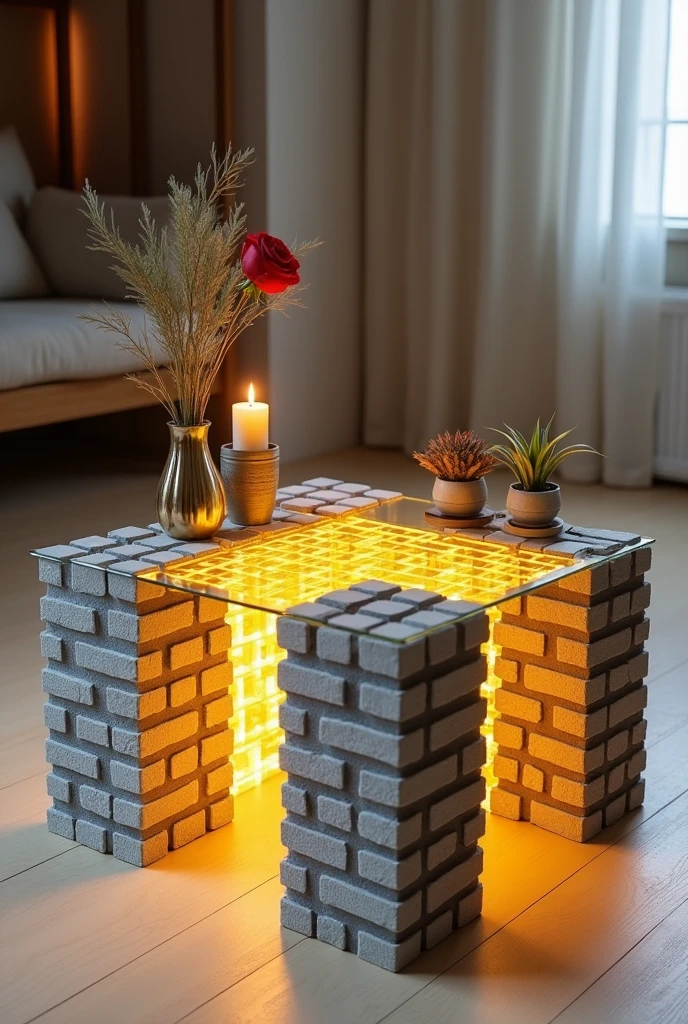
<point>554,528</point>
<point>437,518</point>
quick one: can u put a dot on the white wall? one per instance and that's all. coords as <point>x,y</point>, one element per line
<point>314,61</point>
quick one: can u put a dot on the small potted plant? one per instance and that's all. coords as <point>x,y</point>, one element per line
<point>534,500</point>
<point>460,461</point>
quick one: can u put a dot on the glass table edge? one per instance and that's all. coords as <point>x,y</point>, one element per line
<point>158,577</point>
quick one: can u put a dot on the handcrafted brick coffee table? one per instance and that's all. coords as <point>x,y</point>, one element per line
<point>420,668</point>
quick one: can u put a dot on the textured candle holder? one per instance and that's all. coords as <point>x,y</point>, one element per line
<point>251,480</point>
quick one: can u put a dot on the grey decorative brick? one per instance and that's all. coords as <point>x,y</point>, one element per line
<point>458,803</point>
<point>377,588</point>
<point>52,646</point>
<point>389,955</point>
<point>294,634</point>
<point>68,614</point>
<point>389,832</point>
<point>152,626</point>
<point>117,665</point>
<point>293,719</point>
<point>329,929</point>
<point>397,661</point>
<point>134,779</point>
<point>308,765</point>
<point>344,600</point>
<point>293,876</point>
<point>128,534</point>
<point>381,494</point>
<point>418,598</point>
<point>94,543</point>
<point>313,610</point>
<point>63,552</point>
<point>64,756</point>
<point>162,543</point>
<point>391,703</point>
<point>458,683</point>
<point>453,881</point>
<point>60,823</point>
<point>393,791</point>
<point>55,717</point>
<point>315,844</point>
<point>355,622</point>
<point>441,851</point>
<point>59,788</point>
<point>319,482</point>
<point>388,871</point>
<point>60,684</point>
<point>310,682</point>
<point>439,929</point>
<point>452,727</point>
<point>294,798</point>
<point>51,572</point>
<point>296,917</point>
<point>395,631</point>
<point>139,852</point>
<point>124,585</point>
<point>394,915</point>
<point>131,704</point>
<point>386,610</point>
<point>389,748</point>
<point>442,645</point>
<point>92,730</point>
<point>337,813</point>
<point>336,644</point>
<point>96,800</point>
<point>88,576</point>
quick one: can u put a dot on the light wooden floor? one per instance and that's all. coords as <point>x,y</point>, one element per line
<point>595,933</point>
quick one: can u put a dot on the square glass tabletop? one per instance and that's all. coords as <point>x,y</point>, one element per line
<point>280,568</point>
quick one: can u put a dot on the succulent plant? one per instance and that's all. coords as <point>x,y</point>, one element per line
<point>533,462</point>
<point>459,456</point>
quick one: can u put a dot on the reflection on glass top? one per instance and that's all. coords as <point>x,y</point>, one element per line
<point>392,542</point>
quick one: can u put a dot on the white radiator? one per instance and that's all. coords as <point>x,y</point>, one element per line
<point>671,437</point>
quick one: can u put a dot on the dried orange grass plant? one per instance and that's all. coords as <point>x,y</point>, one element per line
<point>459,456</point>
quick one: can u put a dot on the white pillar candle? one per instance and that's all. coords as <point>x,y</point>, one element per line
<point>250,424</point>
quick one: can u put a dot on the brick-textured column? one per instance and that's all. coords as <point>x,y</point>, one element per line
<point>138,705</point>
<point>384,756</point>
<point>571,730</point>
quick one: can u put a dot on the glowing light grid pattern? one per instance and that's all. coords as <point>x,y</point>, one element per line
<point>302,564</point>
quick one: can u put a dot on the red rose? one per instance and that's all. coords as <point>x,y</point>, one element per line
<point>268,263</point>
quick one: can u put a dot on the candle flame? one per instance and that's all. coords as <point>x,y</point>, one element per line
<point>251,394</point>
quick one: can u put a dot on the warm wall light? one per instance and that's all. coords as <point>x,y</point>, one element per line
<point>299,565</point>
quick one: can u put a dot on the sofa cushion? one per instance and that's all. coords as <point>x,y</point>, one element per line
<point>17,184</point>
<point>20,275</point>
<point>58,233</point>
<point>43,340</point>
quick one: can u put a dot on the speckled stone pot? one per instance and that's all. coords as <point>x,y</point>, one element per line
<point>533,508</point>
<point>460,497</point>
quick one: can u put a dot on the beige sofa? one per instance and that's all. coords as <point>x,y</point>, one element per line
<point>53,365</point>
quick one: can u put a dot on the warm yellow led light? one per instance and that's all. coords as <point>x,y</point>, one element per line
<point>286,568</point>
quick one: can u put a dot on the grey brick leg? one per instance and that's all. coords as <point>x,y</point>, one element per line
<point>572,729</point>
<point>384,756</point>
<point>138,705</point>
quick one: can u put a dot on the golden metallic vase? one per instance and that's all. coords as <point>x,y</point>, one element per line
<point>191,498</point>
<point>251,480</point>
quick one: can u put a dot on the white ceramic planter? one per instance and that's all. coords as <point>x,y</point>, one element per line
<point>460,497</point>
<point>533,508</point>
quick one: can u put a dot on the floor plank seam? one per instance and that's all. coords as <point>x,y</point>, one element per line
<point>37,865</point>
<point>619,960</point>
<point>511,920</point>
<point>158,945</point>
<point>222,991</point>
<point>18,782</point>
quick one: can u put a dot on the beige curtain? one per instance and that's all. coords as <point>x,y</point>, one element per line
<point>513,264</point>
